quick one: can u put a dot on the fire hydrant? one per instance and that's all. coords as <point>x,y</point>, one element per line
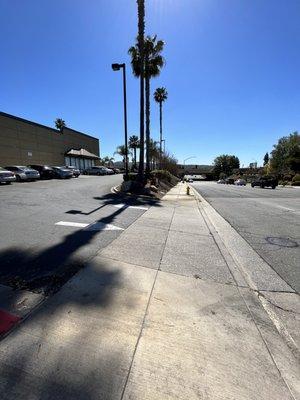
<point>188,190</point>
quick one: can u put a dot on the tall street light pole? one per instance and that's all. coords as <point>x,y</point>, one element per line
<point>117,67</point>
<point>164,142</point>
<point>188,159</point>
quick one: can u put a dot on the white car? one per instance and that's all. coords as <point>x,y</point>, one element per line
<point>6,176</point>
<point>24,173</point>
<point>109,171</point>
<point>240,182</point>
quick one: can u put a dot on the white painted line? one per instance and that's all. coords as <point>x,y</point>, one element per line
<point>75,224</point>
<point>94,226</point>
<point>124,206</point>
<point>100,226</point>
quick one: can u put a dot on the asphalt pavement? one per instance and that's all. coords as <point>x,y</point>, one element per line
<point>50,229</point>
<point>162,312</point>
<point>269,220</point>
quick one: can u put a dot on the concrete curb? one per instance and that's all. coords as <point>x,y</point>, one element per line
<point>251,265</point>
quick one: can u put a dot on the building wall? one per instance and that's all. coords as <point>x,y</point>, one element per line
<point>23,142</point>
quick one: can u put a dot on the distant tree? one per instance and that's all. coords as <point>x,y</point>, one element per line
<point>121,151</point>
<point>225,163</point>
<point>285,158</point>
<point>160,96</point>
<point>60,124</point>
<point>134,144</point>
<point>153,153</point>
<point>107,160</point>
<point>266,159</point>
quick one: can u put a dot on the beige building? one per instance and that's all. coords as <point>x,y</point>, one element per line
<point>24,142</point>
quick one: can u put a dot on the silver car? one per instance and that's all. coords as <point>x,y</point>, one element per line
<point>95,171</point>
<point>6,176</point>
<point>75,171</point>
<point>62,172</point>
<point>24,173</point>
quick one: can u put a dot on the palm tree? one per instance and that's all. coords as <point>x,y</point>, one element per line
<point>134,144</point>
<point>141,34</point>
<point>153,64</point>
<point>107,160</point>
<point>60,124</point>
<point>121,151</point>
<point>153,152</point>
<point>160,95</point>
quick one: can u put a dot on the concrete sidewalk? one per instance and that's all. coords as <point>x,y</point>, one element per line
<point>163,312</point>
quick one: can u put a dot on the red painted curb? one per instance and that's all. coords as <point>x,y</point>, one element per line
<point>7,321</point>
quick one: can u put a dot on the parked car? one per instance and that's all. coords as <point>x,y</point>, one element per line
<point>229,181</point>
<point>265,181</point>
<point>45,171</point>
<point>116,170</point>
<point>62,172</point>
<point>109,171</point>
<point>221,181</point>
<point>240,182</point>
<point>24,173</point>
<point>74,170</point>
<point>95,171</point>
<point>6,176</point>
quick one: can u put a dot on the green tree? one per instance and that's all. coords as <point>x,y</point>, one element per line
<point>266,159</point>
<point>121,151</point>
<point>153,62</point>
<point>153,153</point>
<point>60,124</point>
<point>107,160</point>
<point>225,164</point>
<point>285,157</point>
<point>160,96</point>
<point>134,144</point>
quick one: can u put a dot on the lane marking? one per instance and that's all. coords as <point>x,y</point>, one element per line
<point>125,206</point>
<point>75,224</point>
<point>94,226</point>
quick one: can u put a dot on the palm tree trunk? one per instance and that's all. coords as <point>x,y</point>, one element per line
<point>134,151</point>
<point>147,93</point>
<point>141,33</point>
<point>160,135</point>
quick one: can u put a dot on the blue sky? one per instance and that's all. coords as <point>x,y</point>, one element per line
<point>232,70</point>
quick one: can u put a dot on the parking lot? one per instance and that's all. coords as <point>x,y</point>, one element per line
<point>49,228</point>
<point>269,220</point>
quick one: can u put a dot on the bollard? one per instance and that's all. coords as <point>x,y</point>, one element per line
<point>188,190</point>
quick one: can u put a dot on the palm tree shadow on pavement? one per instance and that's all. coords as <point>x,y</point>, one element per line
<point>52,355</point>
<point>48,270</point>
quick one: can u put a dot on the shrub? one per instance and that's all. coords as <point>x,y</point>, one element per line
<point>161,175</point>
<point>164,175</point>
<point>296,178</point>
<point>131,176</point>
<point>296,183</point>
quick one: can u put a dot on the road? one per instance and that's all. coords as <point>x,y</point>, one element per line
<point>46,232</point>
<point>269,220</point>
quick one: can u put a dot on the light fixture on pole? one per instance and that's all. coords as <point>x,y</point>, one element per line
<point>188,159</point>
<point>117,67</point>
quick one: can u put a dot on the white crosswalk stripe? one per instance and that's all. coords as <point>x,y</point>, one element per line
<point>94,226</point>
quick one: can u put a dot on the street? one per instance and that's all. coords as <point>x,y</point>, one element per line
<point>49,229</point>
<point>267,219</point>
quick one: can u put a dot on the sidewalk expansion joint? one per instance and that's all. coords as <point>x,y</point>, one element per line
<point>146,312</point>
